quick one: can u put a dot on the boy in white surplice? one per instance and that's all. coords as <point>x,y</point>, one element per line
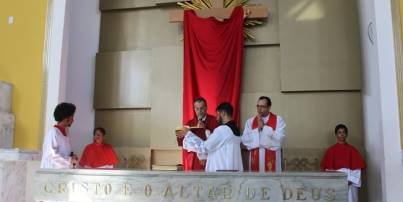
<point>56,149</point>
<point>223,147</point>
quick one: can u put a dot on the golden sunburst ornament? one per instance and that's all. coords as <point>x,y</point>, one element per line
<point>207,4</point>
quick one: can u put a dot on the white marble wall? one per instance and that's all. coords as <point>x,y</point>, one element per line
<point>12,180</point>
<point>19,155</point>
<point>17,168</point>
<point>7,119</point>
<point>5,97</point>
<point>16,180</point>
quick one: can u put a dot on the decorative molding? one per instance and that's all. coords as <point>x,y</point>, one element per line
<point>301,164</point>
<point>133,158</point>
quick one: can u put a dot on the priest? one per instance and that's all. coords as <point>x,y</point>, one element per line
<point>263,136</point>
<point>222,149</point>
<point>202,125</point>
<point>343,157</point>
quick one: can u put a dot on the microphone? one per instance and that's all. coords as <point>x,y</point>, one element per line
<point>71,156</point>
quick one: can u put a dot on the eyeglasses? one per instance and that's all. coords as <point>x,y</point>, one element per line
<point>261,106</point>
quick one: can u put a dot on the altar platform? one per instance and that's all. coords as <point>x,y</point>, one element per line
<point>128,185</point>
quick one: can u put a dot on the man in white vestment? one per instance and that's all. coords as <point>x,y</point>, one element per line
<point>56,149</point>
<point>263,136</point>
<point>223,147</point>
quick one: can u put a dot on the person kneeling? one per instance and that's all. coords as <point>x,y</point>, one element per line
<point>98,154</point>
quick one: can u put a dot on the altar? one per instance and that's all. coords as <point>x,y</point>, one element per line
<point>130,185</point>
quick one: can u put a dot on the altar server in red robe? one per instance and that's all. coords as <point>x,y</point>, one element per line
<point>345,158</point>
<point>98,154</point>
<point>263,136</point>
<point>202,125</point>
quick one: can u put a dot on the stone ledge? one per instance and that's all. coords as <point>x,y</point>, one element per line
<point>18,154</point>
<point>127,185</point>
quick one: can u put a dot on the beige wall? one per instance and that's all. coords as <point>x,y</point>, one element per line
<point>306,58</point>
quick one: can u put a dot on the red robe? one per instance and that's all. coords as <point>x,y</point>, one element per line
<point>97,155</point>
<point>270,156</point>
<point>190,160</point>
<point>342,156</point>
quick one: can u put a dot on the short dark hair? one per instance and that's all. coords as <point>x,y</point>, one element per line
<point>63,111</point>
<point>226,108</point>
<point>268,100</point>
<point>340,126</point>
<point>200,99</point>
<point>100,129</point>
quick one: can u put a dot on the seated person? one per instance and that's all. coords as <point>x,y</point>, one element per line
<point>343,157</point>
<point>98,154</point>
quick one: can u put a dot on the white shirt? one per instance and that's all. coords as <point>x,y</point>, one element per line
<point>56,150</point>
<point>222,149</point>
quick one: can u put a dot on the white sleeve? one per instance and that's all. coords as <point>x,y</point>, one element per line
<point>270,138</point>
<point>105,167</point>
<point>354,176</point>
<point>250,137</point>
<point>51,152</point>
<point>192,142</point>
<point>217,139</point>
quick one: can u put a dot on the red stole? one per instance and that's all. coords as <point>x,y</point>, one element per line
<point>97,155</point>
<point>270,156</point>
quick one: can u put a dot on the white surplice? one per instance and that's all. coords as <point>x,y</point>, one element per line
<point>353,176</point>
<point>222,149</point>
<point>56,150</point>
<point>267,138</point>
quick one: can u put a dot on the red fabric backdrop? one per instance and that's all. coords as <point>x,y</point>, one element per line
<point>213,59</point>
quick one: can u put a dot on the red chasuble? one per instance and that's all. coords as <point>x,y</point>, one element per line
<point>97,155</point>
<point>342,156</point>
<point>190,160</point>
<point>270,156</point>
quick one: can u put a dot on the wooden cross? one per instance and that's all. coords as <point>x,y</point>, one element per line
<point>218,11</point>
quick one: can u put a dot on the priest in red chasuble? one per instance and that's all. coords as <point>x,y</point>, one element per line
<point>202,125</point>
<point>98,154</point>
<point>263,136</point>
<point>345,158</point>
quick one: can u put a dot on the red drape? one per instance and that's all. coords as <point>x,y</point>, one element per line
<point>213,58</point>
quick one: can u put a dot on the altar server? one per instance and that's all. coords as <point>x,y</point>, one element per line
<point>343,157</point>
<point>222,148</point>
<point>56,149</point>
<point>99,154</point>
